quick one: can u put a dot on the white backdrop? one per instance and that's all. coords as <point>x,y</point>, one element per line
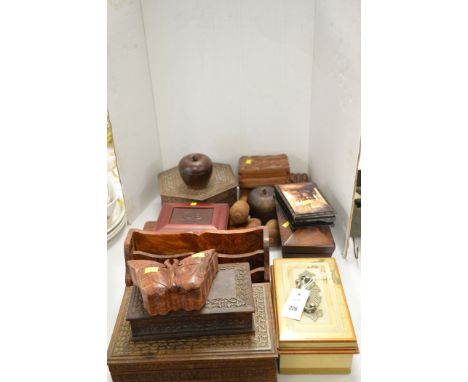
<point>231,77</point>
<point>336,105</point>
<point>131,106</point>
<point>228,78</point>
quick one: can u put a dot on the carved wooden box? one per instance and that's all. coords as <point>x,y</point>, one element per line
<point>228,310</point>
<point>236,357</point>
<point>176,284</point>
<point>222,187</point>
<point>192,217</point>
<point>305,241</point>
<point>263,170</point>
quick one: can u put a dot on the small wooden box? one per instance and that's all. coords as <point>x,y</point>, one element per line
<point>192,217</point>
<point>222,187</point>
<point>237,357</point>
<point>263,170</point>
<point>306,241</point>
<point>228,310</point>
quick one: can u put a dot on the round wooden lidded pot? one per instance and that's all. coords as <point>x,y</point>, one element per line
<point>262,203</point>
<point>195,170</point>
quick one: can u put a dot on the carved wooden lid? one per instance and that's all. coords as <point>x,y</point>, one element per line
<point>231,292</point>
<point>125,354</point>
<point>170,183</point>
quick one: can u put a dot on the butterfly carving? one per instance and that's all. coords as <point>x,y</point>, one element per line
<point>175,285</point>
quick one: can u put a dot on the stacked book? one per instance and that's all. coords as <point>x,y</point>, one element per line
<point>263,170</point>
<point>304,205</point>
<point>322,340</point>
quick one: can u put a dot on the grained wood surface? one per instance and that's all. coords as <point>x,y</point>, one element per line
<point>228,310</point>
<point>235,357</point>
<point>304,242</point>
<point>174,285</point>
<point>263,170</point>
<point>244,245</point>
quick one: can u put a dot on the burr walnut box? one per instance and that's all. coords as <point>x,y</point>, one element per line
<point>228,310</point>
<point>235,357</point>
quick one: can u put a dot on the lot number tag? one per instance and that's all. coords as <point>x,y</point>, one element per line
<point>295,303</point>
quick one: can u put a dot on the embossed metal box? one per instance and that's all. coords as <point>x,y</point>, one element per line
<point>236,357</point>
<point>222,187</point>
<point>228,310</point>
<point>323,341</point>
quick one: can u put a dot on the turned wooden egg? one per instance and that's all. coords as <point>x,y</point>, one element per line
<point>262,203</point>
<point>253,222</point>
<point>273,232</point>
<point>239,213</point>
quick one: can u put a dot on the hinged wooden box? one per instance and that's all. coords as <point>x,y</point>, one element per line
<point>237,357</point>
<point>304,241</point>
<point>192,217</point>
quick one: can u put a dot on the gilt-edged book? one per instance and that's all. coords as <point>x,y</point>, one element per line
<point>304,205</point>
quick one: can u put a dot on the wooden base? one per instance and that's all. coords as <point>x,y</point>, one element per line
<point>302,363</point>
<point>304,242</point>
<point>315,371</point>
<point>236,358</point>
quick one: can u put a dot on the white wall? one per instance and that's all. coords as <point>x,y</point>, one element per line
<point>235,77</point>
<point>131,106</point>
<point>231,77</point>
<point>335,112</point>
